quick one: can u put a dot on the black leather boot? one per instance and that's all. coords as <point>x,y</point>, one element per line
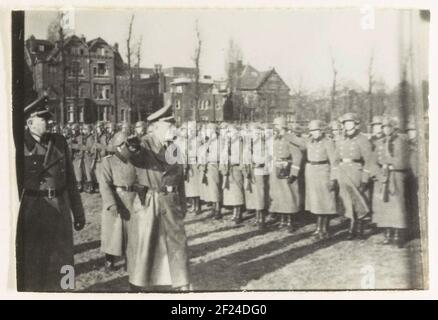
<point>325,226</point>
<point>387,234</point>
<point>289,223</point>
<point>352,230</point>
<point>360,229</point>
<point>399,240</point>
<point>217,213</point>
<point>262,225</point>
<point>238,215</point>
<point>197,205</point>
<point>318,226</point>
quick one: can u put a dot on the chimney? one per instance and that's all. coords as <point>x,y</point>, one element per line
<point>157,68</point>
<point>83,39</point>
<point>116,47</point>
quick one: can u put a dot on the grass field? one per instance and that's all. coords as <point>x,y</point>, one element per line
<point>229,257</point>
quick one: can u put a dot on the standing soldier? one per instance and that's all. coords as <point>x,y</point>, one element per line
<point>412,182</point>
<point>48,198</point>
<point>110,133</point>
<point>353,152</point>
<point>319,179</point>
<point>210,174</point>
<point>157,239</point>
<point>256,173</point>
<point>117,189</point>
<point>77,147</point>
<point>140,129</point>
<point>394,168</point>
<point>100,147</point>
<point>283,182</point>
<point>336,130</point>
<point>377,146</point>
<point>90,155</point>
<point>126,128</point>
<point>231,169</point>
<point>187,145</point>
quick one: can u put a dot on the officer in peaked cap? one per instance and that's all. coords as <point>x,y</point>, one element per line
<point>48,198</point>
<point>160,259</point>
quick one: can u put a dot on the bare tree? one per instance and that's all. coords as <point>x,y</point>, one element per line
<point>234,55</point>
<point>129,53</point>
<point>333,91</point>
<point>138,76</point>
<point>196,59</point>
<point>370,87</point>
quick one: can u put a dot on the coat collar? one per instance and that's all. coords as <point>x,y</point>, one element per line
<point>30,141</point>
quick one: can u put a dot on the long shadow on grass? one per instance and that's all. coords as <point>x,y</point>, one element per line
<point>228,273</point>
<point>86,246</point>
<point>205,216</point>
<point>207,233</point>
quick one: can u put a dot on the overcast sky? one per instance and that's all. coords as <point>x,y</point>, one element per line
<point>295,42</point>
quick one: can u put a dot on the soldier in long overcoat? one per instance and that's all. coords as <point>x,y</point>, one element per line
<point>77,151</point>
<point>211,190</point>
<point>353,153</point>
<point>157,246</point>
<point>49,198</point>
<point>377,146</point>
<point>117,187</point>
<point>90,155</point>
<point>187,145</point>
<point>100,147</point>
<point>232,172</point>
<point>284,188</point>
<point>394,169</point>
<point>320,182</point>
<point>256,173</point>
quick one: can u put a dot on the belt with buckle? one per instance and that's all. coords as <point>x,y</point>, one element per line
<point>318,162</point>
<point>46,193</point>
<point>124,188</point>
<point>347,160</point>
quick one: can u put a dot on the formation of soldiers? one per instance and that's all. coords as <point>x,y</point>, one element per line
<point>151,175</point>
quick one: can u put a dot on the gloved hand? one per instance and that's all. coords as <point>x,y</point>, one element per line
<point>363,187</point>
<point>332,185</point>
<point>133,143</point>
<point>113,210</point>
<point>291,179</point>
<point>79,224</point>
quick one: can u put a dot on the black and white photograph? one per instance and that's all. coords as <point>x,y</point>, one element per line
<point>175,150</point>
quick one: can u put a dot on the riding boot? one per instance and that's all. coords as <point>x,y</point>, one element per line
<point>318,226</point>
<point>217,210</point>
<point>238,215</point>
<point>360,229</point>
<point>289,224</point>
<point>80,186</point>
<point>352,230</point>
<point>324,229</point>
<point>399,238</point>
<point>282,221</point>
<point>197,205</point>
<point>387,235</point>
<point>262,224</point>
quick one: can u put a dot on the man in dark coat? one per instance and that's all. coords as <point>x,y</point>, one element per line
<point>48,198</point>
<point>157,246</point>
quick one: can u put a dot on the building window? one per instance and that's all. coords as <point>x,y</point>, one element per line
<point>52,69</point>
<point>179,89</point>
<point>81,114</point>
<point>75,69</point>
<point>101,70</point>
<point>218,106</point>
<point>71,113</point>
<point>81,52</point>
<point>41,48</point>
<point>122,115</point>
<point>177,104</point>
<point>206,104</point>
<point>101,91</point>
<point>81,92</point>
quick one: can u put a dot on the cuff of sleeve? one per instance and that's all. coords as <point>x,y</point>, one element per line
<point>294,170</point>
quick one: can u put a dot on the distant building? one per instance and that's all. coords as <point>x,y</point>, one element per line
<point>258,95</point>
<point>207,106</point>
<point>90,69</point>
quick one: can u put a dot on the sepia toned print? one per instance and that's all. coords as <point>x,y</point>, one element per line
<point>175,150</point>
